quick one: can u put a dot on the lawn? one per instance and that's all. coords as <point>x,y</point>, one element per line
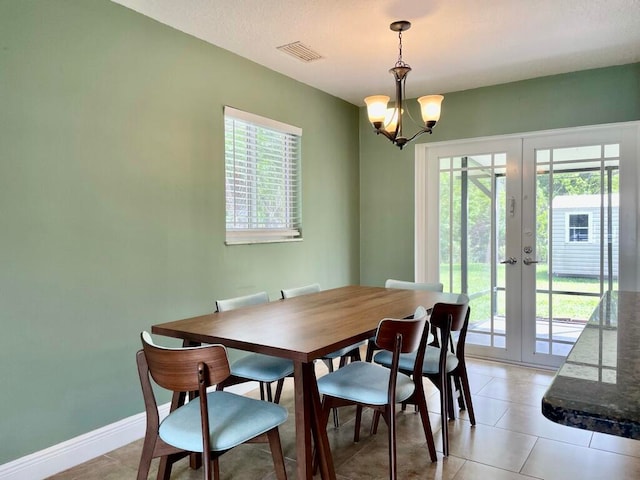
<point>566,306</point>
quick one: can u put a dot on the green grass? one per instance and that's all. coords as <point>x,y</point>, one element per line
<point>574,307</point>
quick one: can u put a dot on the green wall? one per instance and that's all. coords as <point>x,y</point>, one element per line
<point>112,195</point>
<point>591,97</point>
<point>112,203</point>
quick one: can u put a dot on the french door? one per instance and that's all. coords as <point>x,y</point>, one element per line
<point>527,227</point>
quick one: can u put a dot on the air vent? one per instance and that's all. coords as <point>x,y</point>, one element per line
<point>300,51</point>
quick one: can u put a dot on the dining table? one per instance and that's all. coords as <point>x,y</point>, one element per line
<point>304,329</point>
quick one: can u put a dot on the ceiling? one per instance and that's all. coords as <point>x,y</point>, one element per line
<point>452,45</point>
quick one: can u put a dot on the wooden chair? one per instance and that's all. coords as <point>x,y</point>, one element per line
<point>345,354</point>
<point>402,284</point>
<point>443,363</point>
<point>210,424</point>
<point>366,384</point>
<point>249,366</point>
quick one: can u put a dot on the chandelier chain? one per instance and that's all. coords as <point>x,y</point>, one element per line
<point>400,63</point>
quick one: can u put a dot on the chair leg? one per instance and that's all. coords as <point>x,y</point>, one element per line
<point>164,468</point>
<point>279,387</point>
<point>421,404</point>
<point>216,469</point>
<point>391,422</point>
<point>458,388</point>
<point>336,419</point>
<point>355,356</point>
<point>444,402</point>
<point>145,459</point>
<point>451,411</point>
<point>276,453</point>
<point>261,391</point>
<point>269,392</point>
<point>324,419</point>
<point>374,422</point>
<point>370,348</point>
<point>356,431</point>
<point>466,391</point>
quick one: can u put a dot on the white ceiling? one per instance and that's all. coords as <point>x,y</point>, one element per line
<point>452,44</point>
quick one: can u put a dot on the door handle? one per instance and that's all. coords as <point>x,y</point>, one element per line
<point>529,261</point>
<point>510,261</point>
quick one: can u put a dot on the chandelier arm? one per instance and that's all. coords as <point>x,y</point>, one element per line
<point>413,120</point>
<point>390,136</point>
<point>399,101</point>
<point>420,132</point>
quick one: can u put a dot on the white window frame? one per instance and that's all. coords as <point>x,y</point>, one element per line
<point>567,235</point>
<point>245,223</point>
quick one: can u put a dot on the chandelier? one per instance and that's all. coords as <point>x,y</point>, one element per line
<point>388,121</point>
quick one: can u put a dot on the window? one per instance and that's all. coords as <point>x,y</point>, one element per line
<point>578,227</point>
<point>262,169</point>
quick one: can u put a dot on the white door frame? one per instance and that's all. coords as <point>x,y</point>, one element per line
<point>426,250</point>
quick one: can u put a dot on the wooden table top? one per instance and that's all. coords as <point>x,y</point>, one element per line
<point>307,327</point>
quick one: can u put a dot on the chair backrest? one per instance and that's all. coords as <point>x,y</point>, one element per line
<point>452,317</point>
<point>400,336</point>
<point>458,312</point>
<point>239,302</point>
<point>179,369</point>
<point>295,292</point>
<point>432,287</point>
<point>410,331</point>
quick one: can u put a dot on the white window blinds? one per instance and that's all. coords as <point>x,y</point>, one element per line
<point>262,169</point>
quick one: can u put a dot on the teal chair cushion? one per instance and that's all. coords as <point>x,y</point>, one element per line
<point>345,350</point>
<point>430,365</point>
<point>233,419</point>
<point>262,368</point>
<point>365,383</point>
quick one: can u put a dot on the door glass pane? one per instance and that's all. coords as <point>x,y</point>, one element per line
<point>472,233</point>
<point>577,199</point>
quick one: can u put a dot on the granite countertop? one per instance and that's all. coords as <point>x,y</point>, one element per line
<point>598,386</point>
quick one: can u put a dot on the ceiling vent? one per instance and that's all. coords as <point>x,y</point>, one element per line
<point>300,51</point>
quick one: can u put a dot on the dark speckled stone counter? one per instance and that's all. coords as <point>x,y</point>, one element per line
<point>598,386</point>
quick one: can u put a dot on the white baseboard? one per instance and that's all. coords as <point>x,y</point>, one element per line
<point>83,448</point>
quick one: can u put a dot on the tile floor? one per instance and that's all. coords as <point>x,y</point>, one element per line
<point>512,440</point>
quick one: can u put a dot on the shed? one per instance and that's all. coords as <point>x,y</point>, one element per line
<point>577,236</point>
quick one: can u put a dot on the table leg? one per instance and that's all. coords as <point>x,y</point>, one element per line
<point>308,424</point>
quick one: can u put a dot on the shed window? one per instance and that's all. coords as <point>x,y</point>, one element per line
<point>578,227</point>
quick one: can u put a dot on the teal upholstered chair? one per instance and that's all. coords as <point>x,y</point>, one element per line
<point>212,423</point>
<point>297,291</point>
<point>369,385</point>
<point>442,364</point>
<point>432,287</point>
<point>402,284</point>
<point>249,366</point>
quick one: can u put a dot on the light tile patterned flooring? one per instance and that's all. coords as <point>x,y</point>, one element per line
<point>512,440</point>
